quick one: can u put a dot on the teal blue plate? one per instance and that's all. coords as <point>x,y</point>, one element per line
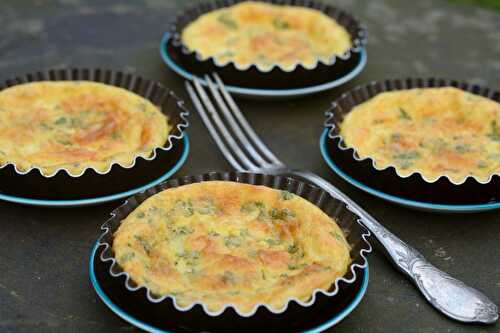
<point>99,200</point>
<point>264,93</point>
<point>139,316</point>
<point>386,195</point>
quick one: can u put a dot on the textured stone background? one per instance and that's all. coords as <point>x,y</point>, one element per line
<point>44,252</point>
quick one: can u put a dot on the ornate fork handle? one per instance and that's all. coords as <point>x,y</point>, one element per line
<point>449,295</point>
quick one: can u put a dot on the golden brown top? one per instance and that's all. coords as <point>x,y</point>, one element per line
<point>434,131</point>
<point>222,242</point>
<point>75,125</point>
<point>266,35</point>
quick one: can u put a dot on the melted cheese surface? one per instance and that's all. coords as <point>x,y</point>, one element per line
<point>76,124</point>
<point>265,34</point>
<point>434,131</point>
<point>223,242</point>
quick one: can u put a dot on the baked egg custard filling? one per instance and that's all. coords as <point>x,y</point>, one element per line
<point>434,131</point>
<point>266,35</point>
<point>221,242</point>
<point>75,125</point>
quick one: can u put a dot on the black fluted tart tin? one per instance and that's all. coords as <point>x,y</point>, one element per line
<point>92,183</point>
<point>196,316</point>
<point>277,77</point>
<point>413,187</point>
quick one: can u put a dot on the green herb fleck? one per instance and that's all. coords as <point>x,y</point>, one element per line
<point>126,257</point>
<point>142,107</point>
<point>293,267</point>
<point>262,57</point>
<point>337,236</point>
<point>495,131</point>
<point>189,255</point>
<point>145,244</point>
<point>407,155</point>
<point>61,121</point>
<point>283,214</point>
<point>228,277</point>
<point>292,249</point>
<point>64,142</point>
<point>494,156</point>
<point>430,120</point>
<point>406,159</point>
<point>279,23</point>
<point>154,210</point>
<point>186,207</point>
<point>75,122</point>
<point>438,145</point>
<point>462,149</point>
<point>285,195</point>
<point>182,231</point>
<point>403,114</point>
<point>272,242</point>
<point>482,164</point>
<point>213,234</point>
<point>396,137</point>
<point>141,215</point>
<point>207,209</point>
<point>251,206</point>
<point>227,21</point>
<point>232,241</point>
<point>228,54</point>
<point>274,213</point>
<point>44,126</point>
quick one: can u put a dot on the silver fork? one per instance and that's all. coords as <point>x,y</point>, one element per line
<point>245,151</point>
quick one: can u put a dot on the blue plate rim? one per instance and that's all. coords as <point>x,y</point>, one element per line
<point>149,328</point>
<point>98,200</point>
<point>264,92</point>
<point>393,198</point>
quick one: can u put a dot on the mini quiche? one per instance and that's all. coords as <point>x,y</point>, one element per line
<point>75,125</point>
<point>221,242</point>
<point>434,131</point>
<point>266,35</point>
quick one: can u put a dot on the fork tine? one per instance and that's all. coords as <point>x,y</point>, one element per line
<point>233,124</point>
<point>244,123</point>
<point>213,132</point>
<point>247,163</point>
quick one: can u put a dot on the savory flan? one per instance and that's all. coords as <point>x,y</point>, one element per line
<point>265,34</point>
<point>437,132</point>
<point>221,242</point>
<point>74,125</point>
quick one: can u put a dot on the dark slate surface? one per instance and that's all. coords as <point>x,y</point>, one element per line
<point>44,282</point>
